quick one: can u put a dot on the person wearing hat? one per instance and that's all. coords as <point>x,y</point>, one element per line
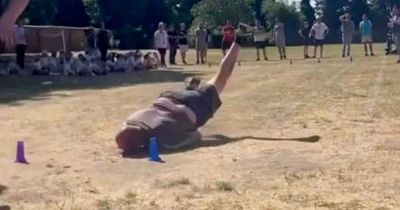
<point>175,116</point>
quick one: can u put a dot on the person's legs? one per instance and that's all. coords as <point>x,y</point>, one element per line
<point>284,52</point>
<point>343,50</point>
<point>172,54</point>
<point>365,49</point>
<point>258,53</point>
<point>315,51</point>
<point>183,54</point>
<point>280,53</point>
<point>21,55</point>
<point>198,51</point>
<point>203,55</point>
<point>348,49</point>
<point>264,53</point>
<point>103,52</point>
<point>225,70</point>
<point>321,51</point>
<point>162,52</point>
<point>371,49</point>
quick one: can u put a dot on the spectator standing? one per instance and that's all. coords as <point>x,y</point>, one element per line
<point>348,29</point>
<point>280,38</point>
<point>366,34</point>
<point>173,44</point>
<point>183,42</point>
<point>201,44</point>
<point>304,34</point>
<point>161,42</point>
<point>228,36</point>
<point>103,42</point>
<point>318,32</point>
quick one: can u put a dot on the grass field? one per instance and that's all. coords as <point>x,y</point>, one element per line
<point>262,151</point>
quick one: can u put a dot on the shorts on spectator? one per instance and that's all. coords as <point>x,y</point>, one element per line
<point>183,48</point>
<point>260,44</point>
<point>318,42</point>
<point>366,39</point>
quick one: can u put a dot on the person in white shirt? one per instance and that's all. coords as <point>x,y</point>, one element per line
<point>20,41</point>
<point>161,42</point>
<point>394,25</point>
<point>318,33</point>
<point>259,35</point>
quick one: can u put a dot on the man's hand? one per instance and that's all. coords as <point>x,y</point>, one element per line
<point>7,32</point>
<point>7,21</point>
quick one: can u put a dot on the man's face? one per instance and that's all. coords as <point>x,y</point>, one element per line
<point>201,25</point>
<point>365,17</point>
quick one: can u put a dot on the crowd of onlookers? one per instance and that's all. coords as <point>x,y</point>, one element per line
<point>86,64</point>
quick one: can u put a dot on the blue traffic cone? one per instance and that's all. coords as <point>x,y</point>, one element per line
<point>20,153</point>
<point>154,155</point>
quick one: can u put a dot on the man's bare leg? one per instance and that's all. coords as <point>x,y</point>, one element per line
<point>225,69</point>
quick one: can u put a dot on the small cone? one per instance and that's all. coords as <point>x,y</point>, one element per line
<point>319,60</point>
<point>291,62</point>
<point>239,64</point>
<point>153,150</point>
<point>209,65</point>
<point>21,153</point>
<point>351,58</point>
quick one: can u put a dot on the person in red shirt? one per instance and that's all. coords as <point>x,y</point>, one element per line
<point>228,36</point>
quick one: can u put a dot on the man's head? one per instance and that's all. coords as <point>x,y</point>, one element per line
<point>395,10</point>
<point>365,17</point>
<point>201,25</point>
<point>182,26</point>
<point>131,139</point>
<point>161,26</point>
<point>347,17</point>
<point>306,24</point>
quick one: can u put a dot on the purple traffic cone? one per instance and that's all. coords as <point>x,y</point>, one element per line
<point>21,153</point>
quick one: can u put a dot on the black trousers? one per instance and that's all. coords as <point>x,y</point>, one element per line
<point>162,52</point>
<point>173,49</point>
<point>103,52</point>
<point>20,49</point>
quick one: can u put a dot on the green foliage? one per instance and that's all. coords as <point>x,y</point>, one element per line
<point>215,13</point>
<point>41,12</point>
<point>288,15</point>
<point>307,11</point>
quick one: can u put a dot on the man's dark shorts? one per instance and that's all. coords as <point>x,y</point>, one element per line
<point>203,101</point>
<point>260,44</point>
<point>226,45</point>
<point>307,42</point>
<point>318,43</point>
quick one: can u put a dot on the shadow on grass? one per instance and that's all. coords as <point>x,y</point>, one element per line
<point>220,140</point>
<point>16,88</point>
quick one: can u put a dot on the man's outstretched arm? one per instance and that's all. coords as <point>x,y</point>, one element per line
<point>8,19</point>
<point>225,70</point>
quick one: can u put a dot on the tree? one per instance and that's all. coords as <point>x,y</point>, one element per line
<point>41,12</point>
<point>288,15</point>
<point>215,13</point>
<point>71,13</point>
<point>307,11</point>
